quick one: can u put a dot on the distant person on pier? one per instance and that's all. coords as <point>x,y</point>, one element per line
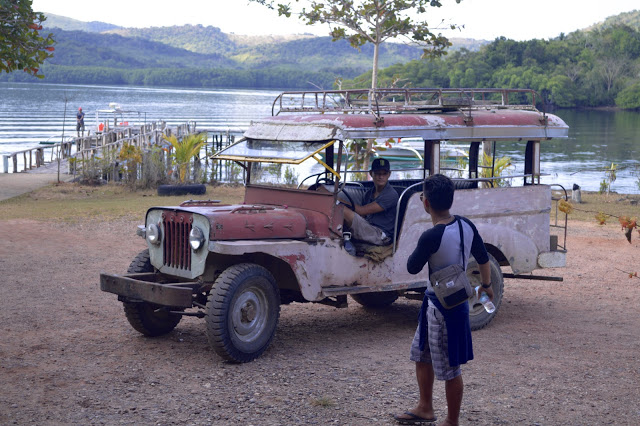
<point>80,122</point>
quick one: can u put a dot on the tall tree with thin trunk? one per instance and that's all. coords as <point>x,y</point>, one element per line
<point>370,21</point>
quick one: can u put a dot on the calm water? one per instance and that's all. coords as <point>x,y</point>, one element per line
<point>31,113</point>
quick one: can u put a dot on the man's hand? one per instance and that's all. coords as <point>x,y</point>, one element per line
<point>489,292</point>
<point>485,278</point>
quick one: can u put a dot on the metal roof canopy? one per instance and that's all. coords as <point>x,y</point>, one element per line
<point>485,124</point>
<point>430,114</point>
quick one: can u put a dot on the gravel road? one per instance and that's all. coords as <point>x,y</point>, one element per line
<point>556,354</point>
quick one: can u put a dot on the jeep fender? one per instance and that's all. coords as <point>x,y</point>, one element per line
<point>519,249</point>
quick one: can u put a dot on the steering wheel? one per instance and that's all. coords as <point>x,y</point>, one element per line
<point>351,206</point>
<point>319,181</point>
<point>322,180</point>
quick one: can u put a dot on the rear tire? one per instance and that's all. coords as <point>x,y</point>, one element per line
<point>478,316</point>
<point>376,300</point>
<point>146,318</point>
<point>243,309</point>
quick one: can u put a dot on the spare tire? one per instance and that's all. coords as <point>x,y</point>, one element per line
<point>192,188</point>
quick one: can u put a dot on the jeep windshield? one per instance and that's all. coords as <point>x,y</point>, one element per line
<point>263,160</point>
<point>259,150</point>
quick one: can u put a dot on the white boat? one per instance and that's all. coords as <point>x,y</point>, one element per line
<point>116,117</point>
<point>412,149</point>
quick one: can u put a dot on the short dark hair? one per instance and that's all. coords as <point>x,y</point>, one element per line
<point>438,189</point>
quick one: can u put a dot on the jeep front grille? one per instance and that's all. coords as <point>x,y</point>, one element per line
<point>176,249</point>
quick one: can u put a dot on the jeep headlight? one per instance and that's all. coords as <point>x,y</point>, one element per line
<point>153,234</point>
<point>196,238</point>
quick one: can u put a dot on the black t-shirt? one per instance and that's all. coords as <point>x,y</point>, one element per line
<point>388,200</point>
<point>440,246</point>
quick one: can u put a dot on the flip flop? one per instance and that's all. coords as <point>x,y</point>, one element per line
<point>413,419</point>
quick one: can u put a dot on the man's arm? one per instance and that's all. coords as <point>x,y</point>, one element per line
<point>368,209</point>
<point>479,251</point>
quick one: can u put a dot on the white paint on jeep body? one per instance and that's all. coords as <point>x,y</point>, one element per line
<point>506,218</point>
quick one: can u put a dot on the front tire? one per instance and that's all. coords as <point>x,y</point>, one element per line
<point>146,318</point>
<point>478,316</point>
<point>242,312</point>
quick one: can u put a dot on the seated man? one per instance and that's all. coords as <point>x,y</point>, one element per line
<point>373,221</point>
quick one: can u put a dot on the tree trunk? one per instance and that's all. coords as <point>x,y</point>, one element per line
<point>374,71</point>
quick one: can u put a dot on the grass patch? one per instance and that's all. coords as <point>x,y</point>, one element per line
<point>611,204</point>
<point>71,202</point>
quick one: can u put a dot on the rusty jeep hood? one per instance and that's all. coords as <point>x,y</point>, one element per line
<point>255,221</point>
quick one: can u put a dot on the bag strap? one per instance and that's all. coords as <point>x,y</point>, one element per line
<point>464,264</point>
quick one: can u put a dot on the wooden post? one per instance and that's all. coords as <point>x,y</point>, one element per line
<point>40,156</point>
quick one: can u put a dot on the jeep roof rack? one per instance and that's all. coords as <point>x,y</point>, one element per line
<point>376,101</point>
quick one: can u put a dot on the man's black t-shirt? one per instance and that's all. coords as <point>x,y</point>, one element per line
<point>431,249</point>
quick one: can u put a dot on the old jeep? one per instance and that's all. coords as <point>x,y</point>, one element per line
<point>235,265</point>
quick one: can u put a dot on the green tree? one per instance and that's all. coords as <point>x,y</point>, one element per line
<point>629,98</point>
<point>22,47</point>
<point>184,150</point>
<point>371,21</point>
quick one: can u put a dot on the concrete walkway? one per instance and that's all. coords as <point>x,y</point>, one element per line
<point>14,184</point>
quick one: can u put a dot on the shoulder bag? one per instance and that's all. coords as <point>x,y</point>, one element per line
<point>451,285</point>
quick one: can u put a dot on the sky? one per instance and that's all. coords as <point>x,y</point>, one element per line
<point>482,19</point>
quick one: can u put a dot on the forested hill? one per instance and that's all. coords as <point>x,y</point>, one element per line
<point>300,52</point>
<point>69,24</point>
<point>84,49</point>
<point>598,66</point>
<point>197,56</point>
<point>630,19</point>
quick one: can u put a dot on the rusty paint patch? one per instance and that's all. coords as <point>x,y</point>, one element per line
<point>293,259</point>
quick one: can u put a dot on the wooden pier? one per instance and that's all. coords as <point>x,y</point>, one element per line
<point>40,158</point>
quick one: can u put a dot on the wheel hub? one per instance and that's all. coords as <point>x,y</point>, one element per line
<point>248,312</point>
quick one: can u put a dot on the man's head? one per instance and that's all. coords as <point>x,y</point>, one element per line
<point>380,171</point>
<point>438,191</point>
<point>80,109</point>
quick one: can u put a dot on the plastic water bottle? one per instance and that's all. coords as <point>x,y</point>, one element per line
<point>348,245</point>
<point>486,302</point>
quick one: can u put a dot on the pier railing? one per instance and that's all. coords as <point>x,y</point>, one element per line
<point>39,156</point>
<point>107,147</point>
<point>97,156</point>
<point>82,148</point>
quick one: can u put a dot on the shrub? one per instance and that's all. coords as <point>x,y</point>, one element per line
<point>629,98</point>
<point>183,151</point>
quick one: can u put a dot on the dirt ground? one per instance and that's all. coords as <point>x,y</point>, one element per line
<point>556,354</point>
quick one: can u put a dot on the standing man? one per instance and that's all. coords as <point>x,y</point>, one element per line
<point>442,341</point>
<point>80,122</point>
<point>374,221</point>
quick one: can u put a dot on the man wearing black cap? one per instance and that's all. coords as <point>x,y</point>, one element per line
<point>374,221</point>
